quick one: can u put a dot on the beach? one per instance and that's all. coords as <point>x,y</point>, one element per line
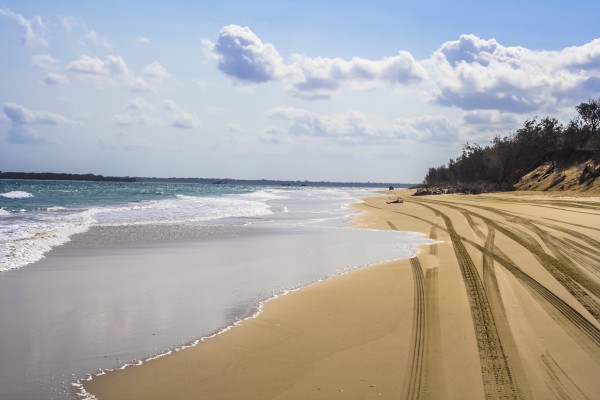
<point>505,305</point>
<point>136,271</point>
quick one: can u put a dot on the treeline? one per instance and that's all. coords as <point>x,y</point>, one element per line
<point>501,164</point>
<point>63,177</point>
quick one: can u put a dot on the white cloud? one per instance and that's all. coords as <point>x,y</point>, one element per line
<point>24,120</point>
<point>20,115</point>
<point>34,28</point>
<point>470,73</point>
<point>114,71</point>
<point>322,77</point>
<point>243,56</point>
<point>357,128</point>
<point>83,33</point>
<point>44,61</point>
<point>114,67</point>
<point>173,115</point>
<point>155,71</point>
<point>53,78</point>
<point>477,74</point>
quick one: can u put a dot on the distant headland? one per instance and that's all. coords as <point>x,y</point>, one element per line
<point>207,181</point>
<point>52,176</point>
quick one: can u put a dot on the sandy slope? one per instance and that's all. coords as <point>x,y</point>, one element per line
<point>506,306</point>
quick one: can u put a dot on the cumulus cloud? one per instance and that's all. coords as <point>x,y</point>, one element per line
<point>356,127</point>
<point>34,28</point>
<point>53,78</point>
<point>243,56</point>
<point>114,71</point>
<point>477,74</point>
<point>83,33</point>
<point>321,77</point>
<point>470,73</point>
<point>23,116</point>
<point>113,67</point>
<point>24,120</point>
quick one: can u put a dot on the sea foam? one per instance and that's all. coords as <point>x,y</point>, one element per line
<point>16,194</point>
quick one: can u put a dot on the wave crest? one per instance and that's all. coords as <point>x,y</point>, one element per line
<point>16,194</point>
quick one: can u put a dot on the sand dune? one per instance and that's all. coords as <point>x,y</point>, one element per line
<point>505,306</point>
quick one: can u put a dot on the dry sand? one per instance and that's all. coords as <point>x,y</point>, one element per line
<point>506,306</point>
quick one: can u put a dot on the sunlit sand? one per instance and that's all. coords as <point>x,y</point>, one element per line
<point>504,306</point>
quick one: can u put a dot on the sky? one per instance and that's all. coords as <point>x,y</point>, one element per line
<point>348,91</point>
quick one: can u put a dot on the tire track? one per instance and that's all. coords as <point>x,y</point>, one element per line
<point>499,312</point>
<point>436,382</point>
<point>497,378</point>
<point>415,380</point>
<point>569,277</point>
<point>560,384</point>
<point>587,334</point>
<point>567,316</point>
<point>433,248</point>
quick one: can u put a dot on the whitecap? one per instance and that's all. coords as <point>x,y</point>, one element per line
<point>16,194</point>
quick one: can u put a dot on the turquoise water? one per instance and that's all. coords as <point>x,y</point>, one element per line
<point>36,216</point>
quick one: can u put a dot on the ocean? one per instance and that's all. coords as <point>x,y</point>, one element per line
<point>100,275</point>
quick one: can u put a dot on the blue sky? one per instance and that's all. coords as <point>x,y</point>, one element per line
<point>337,90</point>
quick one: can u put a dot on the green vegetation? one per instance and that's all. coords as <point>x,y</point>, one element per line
<point>500,165</point>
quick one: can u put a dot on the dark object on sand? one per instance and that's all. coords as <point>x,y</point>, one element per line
<point>391,188</point>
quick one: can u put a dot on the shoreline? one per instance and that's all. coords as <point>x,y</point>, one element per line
<point>116,294</point>
<point>398,329</point>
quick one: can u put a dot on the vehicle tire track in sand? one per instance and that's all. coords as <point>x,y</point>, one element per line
<point>499,312</point>
<point>573,322</point>
<point>426,332</point>
<point>415,379</point>
<point>436,382</point>
<point>568,276</point>
<point>497,378</point>
<point>560,384</point>
<point>433,248</point>
<point>565,315</point>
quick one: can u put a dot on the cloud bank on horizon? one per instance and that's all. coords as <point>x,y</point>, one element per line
<point>70,85</point>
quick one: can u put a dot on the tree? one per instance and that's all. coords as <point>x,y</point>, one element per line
<point>590,114</point>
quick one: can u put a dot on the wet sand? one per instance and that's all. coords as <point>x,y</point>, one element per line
<point>506,306</point>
